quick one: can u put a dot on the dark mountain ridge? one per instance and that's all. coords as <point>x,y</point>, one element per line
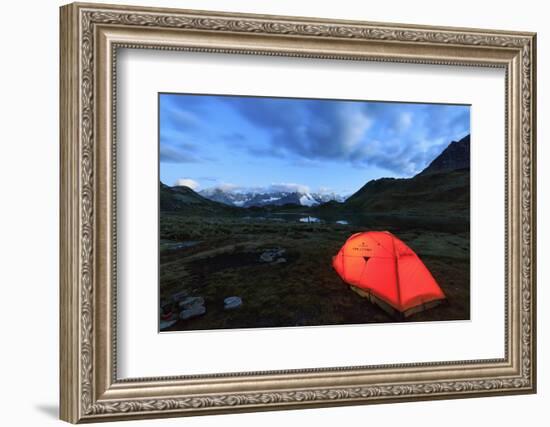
<point>456,156</point>
<point>181,197</point>
<point>442,188</point>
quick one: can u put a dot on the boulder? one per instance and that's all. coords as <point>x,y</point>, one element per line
<point>231,303</point>
<point>271,255</point>
<point>193,311</point>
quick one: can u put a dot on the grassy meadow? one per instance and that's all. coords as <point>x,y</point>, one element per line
<point>217,255</point>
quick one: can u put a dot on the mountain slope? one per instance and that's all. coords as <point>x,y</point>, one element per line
<point>431,194</point>
<point>455,156</point>
<point>442,189</point>
<point>184,198</point>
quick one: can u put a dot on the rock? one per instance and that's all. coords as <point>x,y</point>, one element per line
<point>266,257</point>
<point>231,303</point>
<point>191,307</point>
<point>271,255</point>
<point>165,324</point>
<point>190,302</point>
<point>182,245</point>
<point>279,261</point>
<point>193,311</point>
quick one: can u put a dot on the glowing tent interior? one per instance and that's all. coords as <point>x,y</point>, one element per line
<point>379,266</point>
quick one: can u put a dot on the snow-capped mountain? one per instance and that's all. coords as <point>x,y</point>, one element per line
<point>248,199</point>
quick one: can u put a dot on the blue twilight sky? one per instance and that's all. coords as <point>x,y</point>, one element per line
<point>241,143</point>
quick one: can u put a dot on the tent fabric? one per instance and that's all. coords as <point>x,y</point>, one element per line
<point>379,263</point>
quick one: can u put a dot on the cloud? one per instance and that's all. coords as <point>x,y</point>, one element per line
<point>303,128</point>
<point>235,137</point>
<point>288,188</point>
<point>325,190</point>
<point>178,139</point>
<point>188,182</point>
<point>405,121</point>
<point>225,186</point>
<point>208,178</point>
<point>182,118</point>
<point>399,137</point>
<point>272,188</point>
<point>181,129</point>
<point>169,154</point>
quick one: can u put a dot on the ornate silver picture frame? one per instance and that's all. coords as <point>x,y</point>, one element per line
<point>91,36</point>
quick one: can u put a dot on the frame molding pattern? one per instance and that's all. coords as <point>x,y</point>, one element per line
<point>305,396</point>
<point>89,17</point>
<point>87,212</point>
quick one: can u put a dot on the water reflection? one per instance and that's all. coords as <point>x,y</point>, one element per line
<point>378,221</point>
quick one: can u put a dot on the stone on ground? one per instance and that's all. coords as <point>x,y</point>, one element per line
<point>231,303</point>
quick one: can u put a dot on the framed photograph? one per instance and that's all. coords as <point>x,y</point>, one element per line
<point>267,212</point>
<point>282,197</point>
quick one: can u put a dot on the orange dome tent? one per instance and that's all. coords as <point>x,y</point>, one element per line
<point>385,270</point>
